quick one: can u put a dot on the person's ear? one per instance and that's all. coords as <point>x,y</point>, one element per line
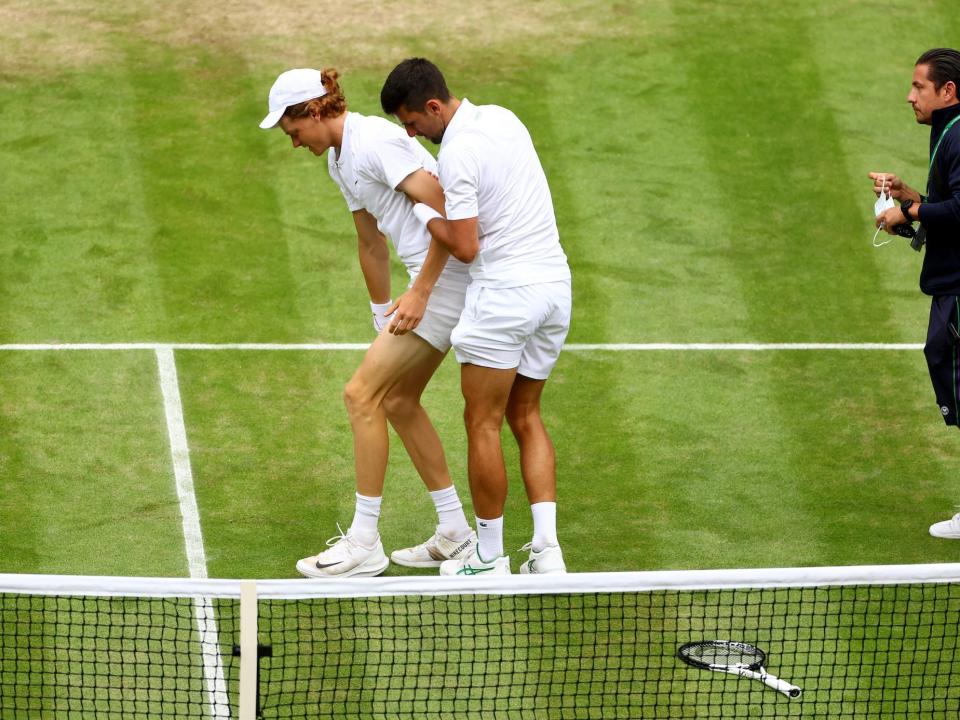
<point>951,89</point>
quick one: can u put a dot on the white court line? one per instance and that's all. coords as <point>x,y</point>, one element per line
<point>573,347</point>
<point>193,538</point>
<point>186,346</point>
<point>750,347</point>
<point>180,452</point>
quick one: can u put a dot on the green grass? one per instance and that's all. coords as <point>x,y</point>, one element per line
<point>708,165</point>
<point>85,471</point>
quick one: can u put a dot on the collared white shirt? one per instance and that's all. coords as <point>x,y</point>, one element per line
<point>489,169</point>
<point>375,157</point>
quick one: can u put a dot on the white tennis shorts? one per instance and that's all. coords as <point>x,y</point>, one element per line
<point>520,327</point>
<point>442,315</point>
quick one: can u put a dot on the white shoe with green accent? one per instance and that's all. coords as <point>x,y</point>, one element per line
<point>434,551</point>
<point>548,561</point>
<point>346,557</point>
<point>471,565</point>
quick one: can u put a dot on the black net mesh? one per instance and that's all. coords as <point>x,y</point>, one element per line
<point>857,652</point>
<point>115,657</point>
<point>879,651</point>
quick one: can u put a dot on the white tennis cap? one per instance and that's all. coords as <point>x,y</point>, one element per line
<point>292,87</point>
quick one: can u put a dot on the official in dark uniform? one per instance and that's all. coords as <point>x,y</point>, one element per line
<point>933,97</point>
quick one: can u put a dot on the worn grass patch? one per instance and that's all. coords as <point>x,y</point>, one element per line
<point>42,38</point>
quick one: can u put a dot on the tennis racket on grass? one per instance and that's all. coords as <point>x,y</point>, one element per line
<point>735,658</point>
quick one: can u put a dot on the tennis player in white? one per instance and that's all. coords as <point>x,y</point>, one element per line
<point>381,173</point>
<point>500,218</point>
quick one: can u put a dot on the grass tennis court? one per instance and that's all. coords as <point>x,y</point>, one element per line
<point>689,171</point>
<point>708,165</point>
<point>773,449</point>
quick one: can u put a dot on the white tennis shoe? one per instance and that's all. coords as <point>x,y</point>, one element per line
<point>469,564</point>
<point>949,529</point>
<point>548,561</point>
<point>434,551</point>
<point>346,557</point>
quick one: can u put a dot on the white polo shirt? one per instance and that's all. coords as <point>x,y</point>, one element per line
<point>375,157</point>
<point>490,170</point>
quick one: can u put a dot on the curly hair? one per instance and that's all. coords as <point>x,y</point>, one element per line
<point>333,104</point>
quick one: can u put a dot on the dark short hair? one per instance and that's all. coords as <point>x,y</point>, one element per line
<point>411,84</point>
<point>943,66</point>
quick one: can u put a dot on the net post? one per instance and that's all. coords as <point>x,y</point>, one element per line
<point>249,661</point>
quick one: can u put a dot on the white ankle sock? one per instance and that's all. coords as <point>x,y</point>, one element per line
<point>365,518</point>
<point>544,525</point>
<point>451,522</point>
<point>490,536</point>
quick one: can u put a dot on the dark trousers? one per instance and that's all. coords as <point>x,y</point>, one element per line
<point>942,351</point>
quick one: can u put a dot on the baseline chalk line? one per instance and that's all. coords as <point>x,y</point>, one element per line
<point>573,347</point>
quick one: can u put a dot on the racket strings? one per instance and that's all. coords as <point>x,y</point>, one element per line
<point>728,655</point>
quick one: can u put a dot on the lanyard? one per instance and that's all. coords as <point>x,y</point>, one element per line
<point>937,147</point>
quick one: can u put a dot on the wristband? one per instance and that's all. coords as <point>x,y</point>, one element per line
<point>425,213</point>
<point>378,310</point>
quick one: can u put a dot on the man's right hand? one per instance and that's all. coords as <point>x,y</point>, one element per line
<point>895,187</point>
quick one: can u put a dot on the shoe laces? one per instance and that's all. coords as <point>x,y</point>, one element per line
<point>339,538</point>
<point>426,543</point>
<point>529,546</point>
<point>472,556</point>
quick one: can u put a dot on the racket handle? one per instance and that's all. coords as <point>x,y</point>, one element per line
<point>791,691</point>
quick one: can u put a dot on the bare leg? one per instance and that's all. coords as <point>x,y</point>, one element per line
<point>389,359</point>
<point>486,391</point>
<point>410,420</point>
<point>538,463</point>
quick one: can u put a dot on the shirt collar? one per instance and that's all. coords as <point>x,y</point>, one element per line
<point>345,142</point>
<point>939,119</point>
<point>463,116</point>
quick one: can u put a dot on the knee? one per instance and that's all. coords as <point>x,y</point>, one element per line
<point>399,406</point>
<point>481,421</point>
<point>523,421</point>
<point>934,350</point>
<point>356,397</point>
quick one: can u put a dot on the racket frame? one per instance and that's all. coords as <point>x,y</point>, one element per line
<point>752,671</point>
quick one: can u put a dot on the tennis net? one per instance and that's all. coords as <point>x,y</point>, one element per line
<point>860,642</point>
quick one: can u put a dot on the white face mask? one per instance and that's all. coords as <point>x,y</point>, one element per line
<point>884,202</point>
